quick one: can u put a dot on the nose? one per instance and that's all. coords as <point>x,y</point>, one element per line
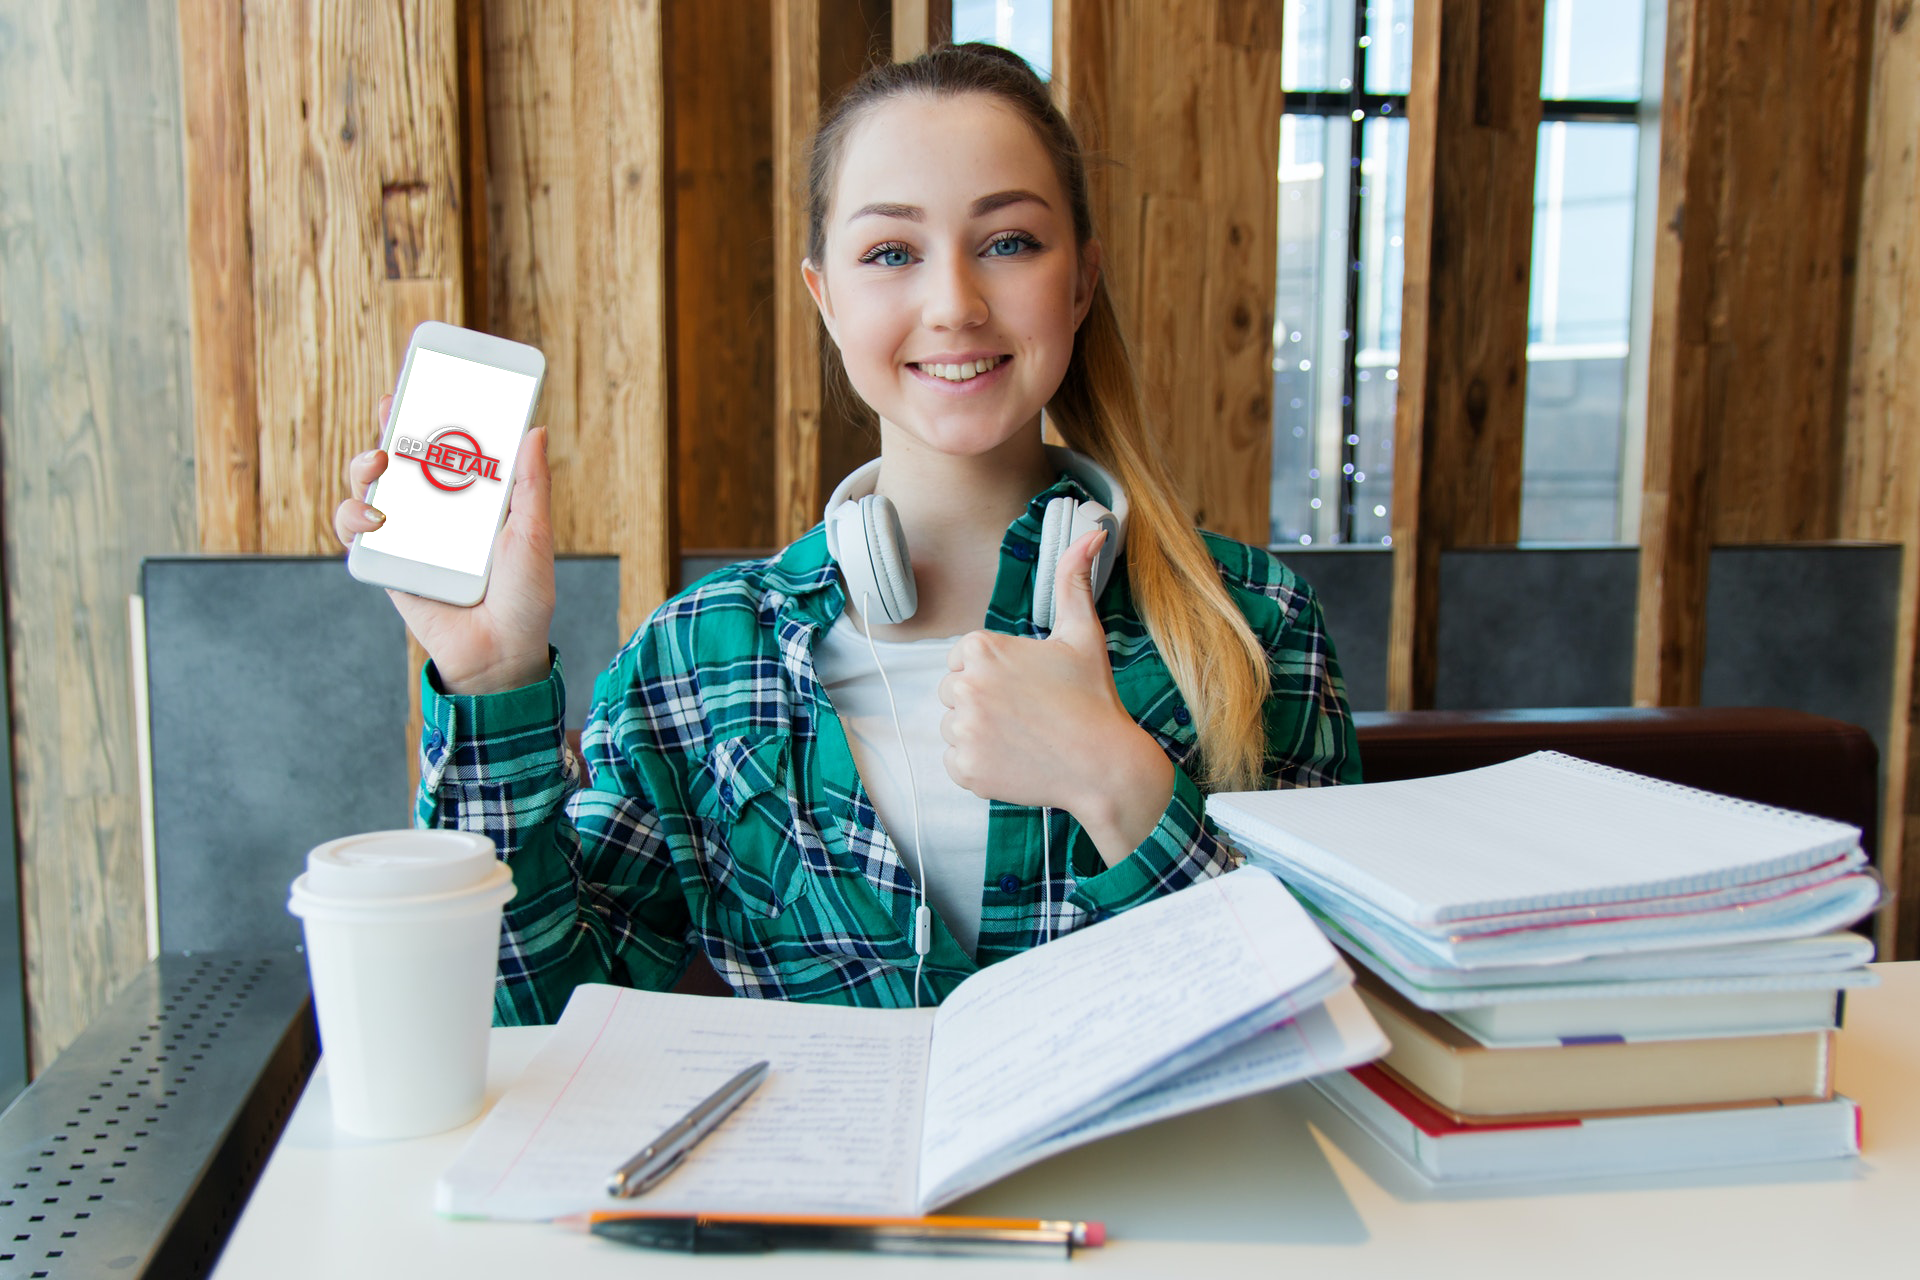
<point>953,298</point>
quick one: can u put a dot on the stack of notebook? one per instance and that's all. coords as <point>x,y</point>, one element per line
<point>1581,970</point>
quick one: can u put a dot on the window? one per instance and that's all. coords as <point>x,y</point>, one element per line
<point>1024,26</point>
<point>1346,70</point>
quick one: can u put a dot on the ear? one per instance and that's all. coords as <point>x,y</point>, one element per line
<point>822,300</point>
<point>1089,276</point>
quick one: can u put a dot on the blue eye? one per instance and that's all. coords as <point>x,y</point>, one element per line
<point>892,254</point>
<point>1011,245</point>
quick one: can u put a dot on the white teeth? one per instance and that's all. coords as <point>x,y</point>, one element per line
<point>964,372</point>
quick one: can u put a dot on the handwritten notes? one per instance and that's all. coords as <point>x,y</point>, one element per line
<point>1038,1042</point>
<point>835,1128</point>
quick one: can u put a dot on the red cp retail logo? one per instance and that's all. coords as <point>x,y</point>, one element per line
<point>450,459</point>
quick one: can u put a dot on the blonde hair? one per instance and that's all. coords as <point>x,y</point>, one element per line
<point>1216,660</point>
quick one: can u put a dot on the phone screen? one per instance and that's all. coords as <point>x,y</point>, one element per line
<point>456,429</point>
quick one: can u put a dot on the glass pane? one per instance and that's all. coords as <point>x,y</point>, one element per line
<point>1389,43</point>
<point>1593,50</point>
<point>1024,26</point>
<point>1383,221</point>
<point>1331,480</point>
<point>1309,347</point>
<point>1316,46</point>
<point>1578,319</point>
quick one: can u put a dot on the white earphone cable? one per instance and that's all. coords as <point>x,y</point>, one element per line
<point>922,916</point>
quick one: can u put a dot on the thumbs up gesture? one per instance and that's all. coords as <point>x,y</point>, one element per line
<point>1039,722</point>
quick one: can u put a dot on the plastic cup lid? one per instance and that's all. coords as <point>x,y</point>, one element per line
<point>382,865</point>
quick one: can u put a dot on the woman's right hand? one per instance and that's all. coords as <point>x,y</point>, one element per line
<point>501,642</point>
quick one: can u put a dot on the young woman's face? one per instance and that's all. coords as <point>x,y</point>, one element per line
<point>951,281</point>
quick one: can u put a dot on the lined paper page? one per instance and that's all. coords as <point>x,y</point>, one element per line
<point>834,1129</point>
<point>1041,1041</point>
<point>1543,831</point>
<point>1328,1037</point>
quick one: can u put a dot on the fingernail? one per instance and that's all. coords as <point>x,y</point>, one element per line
<point>376,515</point>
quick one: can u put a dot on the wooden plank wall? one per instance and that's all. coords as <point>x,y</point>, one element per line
<point>1473,122</point>
<point>1186,210</point>
<point>99,445</point>
<point>1880,481</point>
<point>1752,306</point>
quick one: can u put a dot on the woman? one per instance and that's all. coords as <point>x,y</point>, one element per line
<point>748,784</point>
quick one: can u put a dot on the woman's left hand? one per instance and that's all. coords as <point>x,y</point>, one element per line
<point>1039,722</point>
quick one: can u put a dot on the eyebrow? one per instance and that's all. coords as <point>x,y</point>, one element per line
<point>981,207</point>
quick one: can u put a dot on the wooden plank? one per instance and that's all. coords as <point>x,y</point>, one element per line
<point>1880,496</point>
<point>534,155</point>
<point>1788,184</point>
<point>1229,448</point>
<point>99,442</point>
<point>1474,116</point>
<point>476,239</point>
<point>722,215</point>
<point>220,273</point>
<point>354,151</point>
<point>797,381</point>
<point>1671,616</point>
<point>1173,349</point>
<point>919,25</point>
<point>1751,304</point>
<point>634,307</point>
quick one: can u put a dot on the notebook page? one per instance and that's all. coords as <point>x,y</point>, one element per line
<point>1045,1039</point>
<point>1328,1037</point>
<point>1543,831</point>
<point>834,1129</point>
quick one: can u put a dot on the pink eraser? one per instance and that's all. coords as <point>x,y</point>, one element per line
<point>1096,1235</point>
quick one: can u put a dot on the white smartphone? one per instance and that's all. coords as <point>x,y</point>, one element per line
<point>463,404</point>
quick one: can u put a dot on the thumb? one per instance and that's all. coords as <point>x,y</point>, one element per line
<point>1075,620</point>
<point>532,483</point>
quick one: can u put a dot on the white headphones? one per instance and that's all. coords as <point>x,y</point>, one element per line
<point>865,539</point>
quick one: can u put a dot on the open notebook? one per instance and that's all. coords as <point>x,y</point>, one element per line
<point>1221,990</point>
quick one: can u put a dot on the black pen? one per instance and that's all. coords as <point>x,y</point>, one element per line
<point>700,1233</point>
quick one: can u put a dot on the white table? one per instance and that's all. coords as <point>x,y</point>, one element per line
<point>1278,1184</point>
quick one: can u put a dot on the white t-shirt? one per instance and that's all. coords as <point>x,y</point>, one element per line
<point>953,820</point>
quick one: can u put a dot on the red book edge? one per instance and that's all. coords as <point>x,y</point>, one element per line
<point>1426,1118</point>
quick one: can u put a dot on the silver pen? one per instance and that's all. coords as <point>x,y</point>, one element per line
<point>663,1155</point>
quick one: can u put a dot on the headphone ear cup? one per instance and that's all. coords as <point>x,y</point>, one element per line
<point>1056,535</point>
<point>894,589</point>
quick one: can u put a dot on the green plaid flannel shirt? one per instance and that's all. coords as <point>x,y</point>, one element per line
<point>718,805</point>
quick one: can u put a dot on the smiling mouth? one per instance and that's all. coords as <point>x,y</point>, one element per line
<point>966,371</point>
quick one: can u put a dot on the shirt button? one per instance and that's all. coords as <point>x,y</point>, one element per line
<point>1009,883</point>
<point>433,738</point>
<point>1182,716</point>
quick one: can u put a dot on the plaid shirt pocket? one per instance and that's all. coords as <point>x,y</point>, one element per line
<point>753,856</point>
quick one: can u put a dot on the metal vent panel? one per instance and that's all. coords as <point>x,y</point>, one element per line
<point>134,1152</point>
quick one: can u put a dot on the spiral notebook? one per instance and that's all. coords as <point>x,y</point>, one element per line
<point>1537,834</point>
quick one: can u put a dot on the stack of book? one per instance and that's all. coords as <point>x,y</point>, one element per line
<point>1582,971</point>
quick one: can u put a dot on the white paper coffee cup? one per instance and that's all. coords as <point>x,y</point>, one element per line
<point>403,936</point>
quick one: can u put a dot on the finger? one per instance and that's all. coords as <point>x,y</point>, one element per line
<point>532,482</point>
<point>355,517</point>
<point>1075,619</point>
<point>363,469</point>
<point>380,413</point>
<point>947,691</point>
